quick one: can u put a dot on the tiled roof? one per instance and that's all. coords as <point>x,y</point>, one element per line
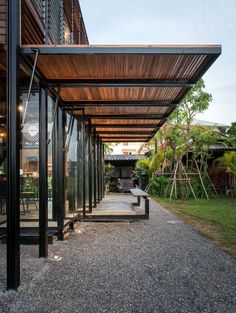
<point>221,147</point>
<point>124,157</point>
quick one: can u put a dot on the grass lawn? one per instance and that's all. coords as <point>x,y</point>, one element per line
<point>214,218</point>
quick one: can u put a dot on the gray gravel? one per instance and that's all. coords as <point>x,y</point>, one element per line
<point>160,265</point>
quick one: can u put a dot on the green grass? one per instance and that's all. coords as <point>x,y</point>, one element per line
<point>214,218</point>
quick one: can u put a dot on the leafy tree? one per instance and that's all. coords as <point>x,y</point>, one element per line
<point>142,168</point>
<point>108,148</point>
<point>232,130</point>
<point>109,170</point>
<point>231,133</point>
<point>178,136</point>
<point>196,101</point>
<point>228,162</point>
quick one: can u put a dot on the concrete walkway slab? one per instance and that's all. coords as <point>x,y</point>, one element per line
<point>115,204</point>
<point>156,266</point>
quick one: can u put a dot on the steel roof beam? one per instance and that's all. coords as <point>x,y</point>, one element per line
<point>81,83</point>
<point>128,140</point>
<point>126,126</point>
<point>126,136</point>
<point>82,103</point>
<point>76,107</point>
<point>127,116</point>
<point>124,132</point>
<point>123,50</point>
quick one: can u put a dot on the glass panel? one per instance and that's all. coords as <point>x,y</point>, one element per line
<point>80,167</point>
<point>71,169</point>
<point>3,154</point>
<point>3,175</point>
<point>86,168</point>
<point>29,158</point>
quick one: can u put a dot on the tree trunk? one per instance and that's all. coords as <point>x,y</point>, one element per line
<point>180,182</point>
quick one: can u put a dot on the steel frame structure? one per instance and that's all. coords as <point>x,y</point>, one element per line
<point>86,132</point>
<point>13,100</point>
<point>119,50</point>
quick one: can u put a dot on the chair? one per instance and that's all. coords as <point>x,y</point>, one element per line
<point>28,193</point>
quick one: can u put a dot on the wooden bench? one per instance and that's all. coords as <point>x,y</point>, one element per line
<point>136,192</point>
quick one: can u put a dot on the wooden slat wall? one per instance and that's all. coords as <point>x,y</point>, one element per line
<point>80,33</point>
<point>31,24</point>
<point>55,21</point>
<point>33,27</point>
<point>3,20</point>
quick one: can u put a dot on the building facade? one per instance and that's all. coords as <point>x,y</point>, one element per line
<point>66,144</point>
<point>60,100</point>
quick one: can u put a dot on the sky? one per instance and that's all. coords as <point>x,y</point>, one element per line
<point>174,22</point>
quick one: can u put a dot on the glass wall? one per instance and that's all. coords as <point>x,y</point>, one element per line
<point>86,159</point>
<point>71,166</point>
<point>50,163</point>
<point>3,153</point>
<point>3,175</point>
<point>29,157</point>
<point>80,166</point>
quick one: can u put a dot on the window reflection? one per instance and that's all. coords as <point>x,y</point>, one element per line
<point>50,116</point>
<point>29,158</point>
<point>71,170</point>
<point>3,153</point>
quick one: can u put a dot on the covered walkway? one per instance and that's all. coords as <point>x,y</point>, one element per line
<point>76,98</point>
<point>160,265</point>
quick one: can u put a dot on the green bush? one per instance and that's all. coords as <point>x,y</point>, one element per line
<point>159,186</point>
<point>141,169</point>
<point>198,189</point>
<point>109,171</point>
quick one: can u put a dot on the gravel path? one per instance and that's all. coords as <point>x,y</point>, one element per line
<point>160,266</point>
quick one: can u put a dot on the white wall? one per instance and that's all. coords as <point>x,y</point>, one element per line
<point>128,148</point>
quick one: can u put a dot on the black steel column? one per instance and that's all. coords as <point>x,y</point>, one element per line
<point>94,169</point>
<point>55,200</point>
<point>92,164</point>
<point>90,168</point>
<point>61,172</point>
<point>43,174</point>
<point>99,169</point>
<point>103,171</point>
<point>84,165</point>
<point>13,211</point>
<point>102,176</point>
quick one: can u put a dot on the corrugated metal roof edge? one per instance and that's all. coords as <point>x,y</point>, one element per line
<point>125,157</point>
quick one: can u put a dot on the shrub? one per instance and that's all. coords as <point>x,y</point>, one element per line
<point>159,186</point>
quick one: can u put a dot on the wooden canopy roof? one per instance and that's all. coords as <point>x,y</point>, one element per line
<point>127,92</point>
